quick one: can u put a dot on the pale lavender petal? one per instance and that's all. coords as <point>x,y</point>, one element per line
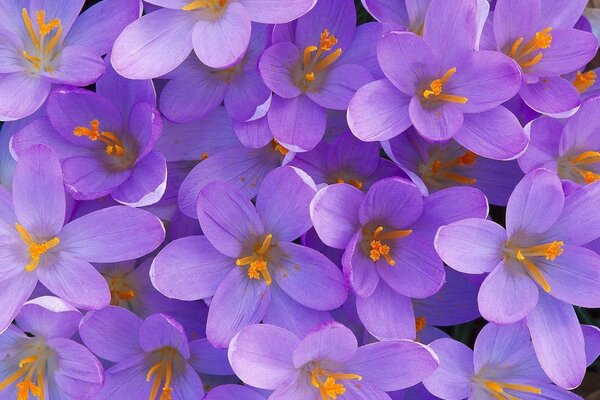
<point>146,184</point>
<point>32,94</point>
<point>452,379</point>
<point>555,97</point>
<point>274,12</point>
<point>331,342</point>
<point>438,124</point>
<point>160,330</point>
<point>340,84</point>
<point>79,66</point>
<point>49,316</point>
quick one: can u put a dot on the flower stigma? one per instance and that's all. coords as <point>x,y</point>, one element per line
<point>522,55</point>
<point>31,369</point>
<point>436,87</point>
<point>584,81</point>
<point>257,261</point>
<point>114,146</point>
<point>42,51</point>
<point>547,250</point>
<point>313,64</point>
<point>36,250</point>
<point>328,382</point>
<point>162,370</point>
<point>498,389</point>
<point>379,248</point>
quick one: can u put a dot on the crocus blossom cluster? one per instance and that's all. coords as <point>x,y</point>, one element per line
<point>298,199</point>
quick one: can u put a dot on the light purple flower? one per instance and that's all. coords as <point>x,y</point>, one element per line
<point>36,246</point>
<point>536,267</point>
<point>326,363</point>
<point>105,140</point>
<point>399,14</point>
<point>44,43</point>
<point>217,30</point>
<point>248,263</point>
<point>39,359</point>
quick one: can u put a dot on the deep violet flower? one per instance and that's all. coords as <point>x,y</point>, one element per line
<point>327,363</point>
<point>537,267</point>
<point>501,367</point>
<point>387,237</point>
<point>539,36</point>
<point>316,68</point>
<point>44,42</point>
<point>39,359</point>
<point>105,140</point>
<point>153,358</point>
<point>433,166</point>
<point>218,31</point>
<point>442,86</point>
<point>36,246</point>
<point>247,260</point>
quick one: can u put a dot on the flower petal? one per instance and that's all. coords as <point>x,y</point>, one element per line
<point>274,12</point>
<point>160,330</point>
<point>332,342</point>
<point>439,124</point>
<point>453,377</point>
<point>554,96</point>
<point>32,94</point>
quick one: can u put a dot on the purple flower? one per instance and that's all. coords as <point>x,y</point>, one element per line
<point>233,392</point>
<point>502,366</point>
<point>539,36</point>
<point>247,261</point>
<point>439,165</point>
<point>44,43</point>
<point>537,267</point>
<point>36,246</point>
<point>315,68</point>
<point>195,90</point>
<point>387,236</point>
<point>586,83</point>
<point>153,358</point>
<point>104,140</point>
<point>217,30</point>
<point>442,86</point>
<point>571,150</point>
<point>327,362</point>
<point>38,358</point>
<point>399,15</point>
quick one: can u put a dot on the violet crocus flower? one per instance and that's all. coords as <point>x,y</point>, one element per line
<point>39,359</point>
<point>537,267</point>
<point>248,263</point>
<point>346,160</point>
<point>442,86</point>
<point>44,43</point>
<point>34,244</point>
<point>195,90</point>
<point>233,392</point>
<point>387,237</point>
<point>539,36</point>
<point>501,367</point>
<point>433,166</point>
<point>572,149</point>
<point>586,83</point>
<point>401,15</point>
<point>104,140</point>
<point>327,363</point>
<point>153,358</point>
<point>217,30</point>
<point>318,67</point>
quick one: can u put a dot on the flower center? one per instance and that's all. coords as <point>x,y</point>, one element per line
<point>583,81</point>
<point>437,170</point>
<point>378,246</point>
<point>420,323</point>
<point>547,250</point>
<point>114,147</point>
<point>215,6</point>
<point>327,382</point>
<point>524,54</point>
<point>42,50</point>
<point>356,183</point>
<point>257,261</point>
<point>30,369</point>
<point>120,291</point>
<point>36,250</point>
<point>436,90</point>
<point>579,167</point>
<point>312,64</point>
<point>279,147</point>
<point>498,389</point>
<point>162,370</point>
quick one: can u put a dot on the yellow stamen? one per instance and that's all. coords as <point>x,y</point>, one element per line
<point>498,389</point>
<point>420,323</point>
<point>356,183</point>
<point>541,40</point>
<point>120,291</point>
<point>213,5</point>
<point>547,250</point>
<point>258,263</point>
<point>313,64</point>
<point>279,147</point>
<point>30,368</point>
<point>114,146</point>
<point>162,371</point>
<point>445,170</point>
<point>38,38</point>
<point>436,89</point>
<point>203,156</point>
<point>327,382</point>
<point>36,250</point>
<point>583,81</point>
<point>379,249</point>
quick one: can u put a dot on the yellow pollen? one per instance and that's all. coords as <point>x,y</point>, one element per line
<point>436,88</point>
<point>120,291</point>
<point>311,65</point>
<point>279,147</point>
<point>114,147</point>
<point>580,163</point>
<point>162,371</point>
<point>498,389</point>
<point>327,382</point>
<point>203,156</point>
<point>522,55</point>
<point>440,169</point>
<point>258,264</point>
<point>547,250</point>
<point>380,249</point>
<point>212,5</point>
<point>30,368</point>
<point>420,323</point>
<point>36,250</point>
<point>356,183</point>
<point>38,39</point>
<point>583,81</point>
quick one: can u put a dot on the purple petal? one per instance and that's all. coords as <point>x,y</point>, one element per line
<point>544,144</point>
<point>112,234</point>
<point>555,97</point>
<point>222,41</point>
<point>65,11</point>
<point>11,60</point>
<point>146,184</point>
<point>187,384</point>
<point>513,19</point>
<point>145,126</point>
<point>332,342</point>
<point>579,130</point>
<point>207,359</point>
<point>129,376</point>
<point>49,317</point>
<point>276,64</point>
<point>437,124</point>
<point>32,94</point>
<point>233,392</point>
<point>14,292</point>
<point>337,16</point>
<point>393,202</point>
<point>79,66</point>
<point>591,334</point>
<point>87,177</point>
<point>159,331</point>
<point>359,268</point>
<point>253,134</point>
<point>339,85</point>
<point>362,51</point>
<point>561,13</point>
<point>452,380</point>
<point>265,364</point>
<point>246,93</point>
<point>269,12</point>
